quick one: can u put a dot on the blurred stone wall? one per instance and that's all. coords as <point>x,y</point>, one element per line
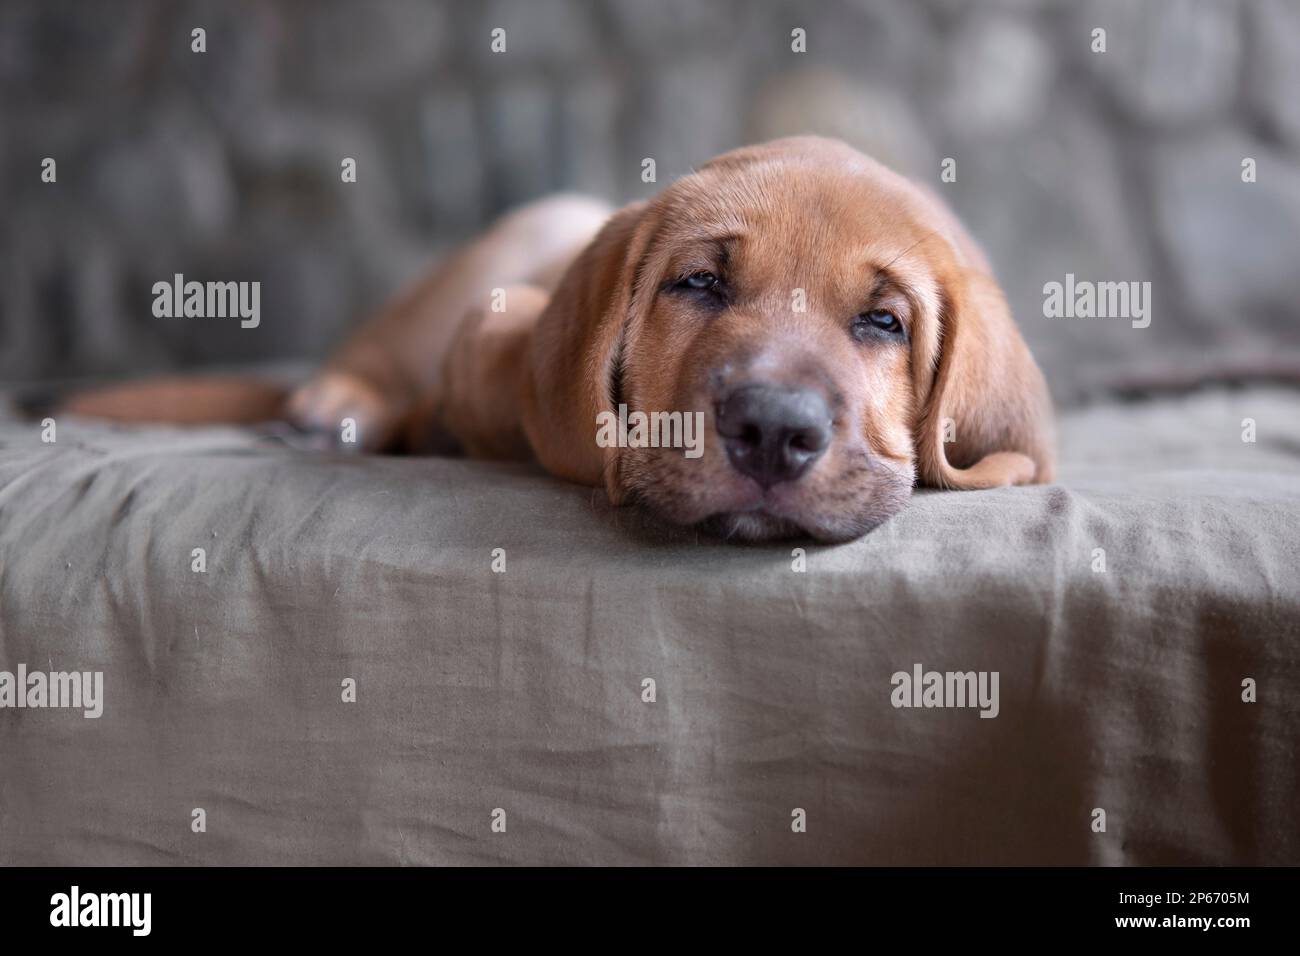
<point>1115,166</point>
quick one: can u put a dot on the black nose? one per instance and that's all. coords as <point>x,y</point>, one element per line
<point>773,434</point>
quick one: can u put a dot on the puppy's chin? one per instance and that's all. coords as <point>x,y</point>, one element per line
<point>759,526</point>
<point>751,526</point>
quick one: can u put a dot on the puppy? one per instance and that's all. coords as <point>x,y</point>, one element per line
<point>838,330</point>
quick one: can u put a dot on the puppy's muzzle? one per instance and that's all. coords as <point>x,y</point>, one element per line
<point>773,433</point>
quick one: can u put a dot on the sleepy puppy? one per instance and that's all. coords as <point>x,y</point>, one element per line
<point>840,333</point>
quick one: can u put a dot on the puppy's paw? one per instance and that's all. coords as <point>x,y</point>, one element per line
<point>342,411</point>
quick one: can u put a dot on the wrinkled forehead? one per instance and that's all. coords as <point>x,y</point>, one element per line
<point>803,219</point>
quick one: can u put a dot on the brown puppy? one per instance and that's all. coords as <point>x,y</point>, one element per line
<point>838,331</point>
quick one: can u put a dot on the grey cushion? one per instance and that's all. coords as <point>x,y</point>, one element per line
<point>1119,690</point>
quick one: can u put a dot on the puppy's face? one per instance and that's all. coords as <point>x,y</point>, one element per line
<point>780,300</point>
<point>830,326</point>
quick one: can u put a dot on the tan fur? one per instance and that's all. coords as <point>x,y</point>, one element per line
<point>591,305</point>
<point>183,401</point>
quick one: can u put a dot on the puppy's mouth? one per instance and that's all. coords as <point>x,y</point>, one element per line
<point>753,513</point>
<point>725,505</point>
<point>752,516</point>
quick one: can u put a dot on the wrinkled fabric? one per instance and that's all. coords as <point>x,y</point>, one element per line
<point>522,691</point>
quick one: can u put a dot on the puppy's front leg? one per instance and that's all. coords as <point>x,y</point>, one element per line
<point>477,406</point>
<point>374,404</point>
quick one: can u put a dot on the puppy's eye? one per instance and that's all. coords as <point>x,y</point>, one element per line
<point>703,281</point>
<point>877,321</point>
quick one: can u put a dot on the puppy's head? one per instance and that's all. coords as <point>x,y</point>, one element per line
<point>836,331</point>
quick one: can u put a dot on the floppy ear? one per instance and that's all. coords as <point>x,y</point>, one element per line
<point>575,353</point>
<point>985,394</point>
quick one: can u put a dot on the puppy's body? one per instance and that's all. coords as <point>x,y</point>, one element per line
<point>835,325</point>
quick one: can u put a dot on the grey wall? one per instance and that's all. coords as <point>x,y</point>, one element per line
<point>225,165</point>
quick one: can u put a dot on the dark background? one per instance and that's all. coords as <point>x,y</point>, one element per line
<point>225,165</point>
